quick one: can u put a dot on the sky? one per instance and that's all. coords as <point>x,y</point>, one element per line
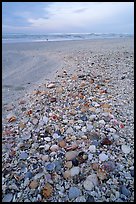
<point>67,17</point>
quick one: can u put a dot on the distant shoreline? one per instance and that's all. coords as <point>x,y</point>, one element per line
<point>17,38</point>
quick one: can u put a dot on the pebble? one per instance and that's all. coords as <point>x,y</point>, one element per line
<point>35,121</point>
<point>95,142</point>
<point>84,137</point>
<point>78,127</point>
<point>112,130</point>
<point>66,174</point>
<point>65,121</point>
<point>109,166</point>
<point>90,199</point>
<point>26,182</point>
<point>102,122</point>
<point>58,165</point>
<point>74,171</point>
<point>46,147</point>
<point>103,157</point>
<point>23,155</point>
<point>132,172</point>
<point>48,139</point>
<point>33,184</point>
<point>45,157</point>
<point>45,119</point>
<point>95,104</point>
<point>84,118</point>
<point>126,149</point>
<point>28,175</point>
<point>72,146</point>
<point>73,138</point>
<point>8,197</point>
<point>125,191</point>
<point>80,199</point>
<point>71,155</point>
<point>84,129</point>
<point>9,107</point>
<point>26,201</point>
<point>90,182</point>
<point>68,164</point>
<point>93,135</point>
<point>54,148</point>
<point>74,192</point>
<point>26,137</point>
<point>115,136</point>
<point>55,135</point>
<point>75,162</point>
<point>89,127</point>
<point>50,166</point>
<point>92,148</point>
<point>69,130</point>
<point>82,157</point>
<point>92,117</point>
<point>90,156</point>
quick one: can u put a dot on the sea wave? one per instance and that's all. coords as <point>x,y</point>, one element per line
<point>21,37</point>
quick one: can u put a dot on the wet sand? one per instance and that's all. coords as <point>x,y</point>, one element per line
<point>26,65</point>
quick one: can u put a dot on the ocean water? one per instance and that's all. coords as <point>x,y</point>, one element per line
<point>16,37</point>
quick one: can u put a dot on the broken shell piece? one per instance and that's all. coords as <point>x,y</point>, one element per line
<point>50,86</point>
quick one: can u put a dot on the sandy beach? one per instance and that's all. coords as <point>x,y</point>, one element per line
<point>28,64</point>
<point>68,113</point>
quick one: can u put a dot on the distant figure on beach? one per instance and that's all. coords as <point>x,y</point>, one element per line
<point>47,39</point>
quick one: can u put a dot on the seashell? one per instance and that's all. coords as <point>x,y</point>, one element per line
<point>102,174</point>
<point>126,149</point>
<point>65,72</point>
<point>106,141</point>
<point>121,125</point>
<point>53,100</point>
<point>91,81</point>
<point>37,92</point>
<point>92,148</point>
<point>29,112</point>
<point>50,86</point>
<point>22,102</point>
<point>87,104</point>
<point>47,190</point>
<point>82,84</point>
<point>74,77</point>
<point>54,117</point>
<point>59,90</point>
<point>105,105</point>
<point>22,125</point>
<point>109,166</point>
<point>95,166</point>
<point>33,184</point>
<point>12,119</point>
<point>62,143</point>
<point>103,91</point>
<point>82,157</point>
<point>81,95</point>
<point>72,147</point>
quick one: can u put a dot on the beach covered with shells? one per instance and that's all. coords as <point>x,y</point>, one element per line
<point>69,138</point>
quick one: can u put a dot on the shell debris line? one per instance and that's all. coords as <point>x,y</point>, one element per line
<point>73,140</point>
